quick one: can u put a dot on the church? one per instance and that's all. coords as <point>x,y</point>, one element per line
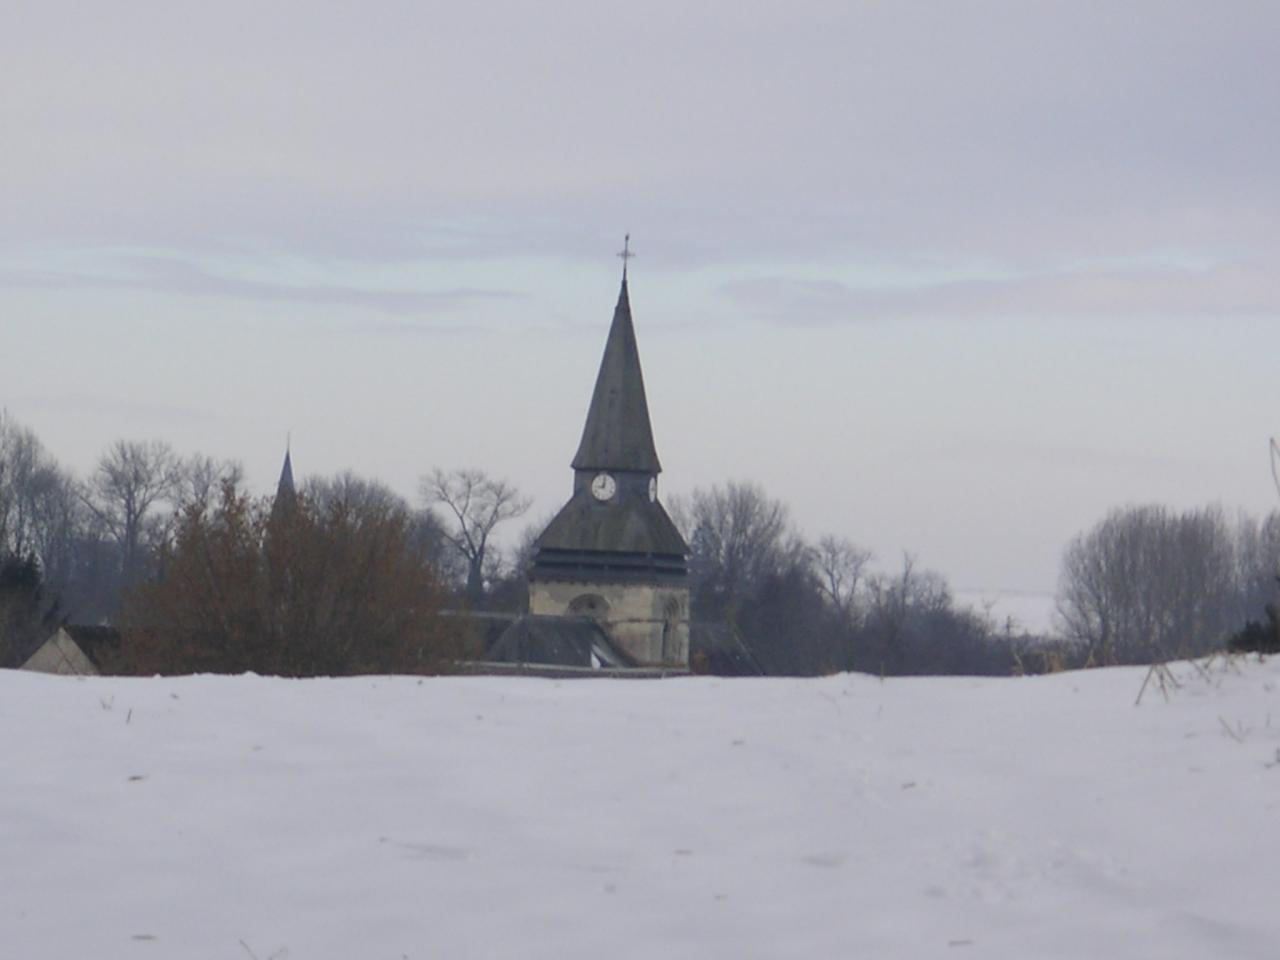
<point>609,585</point>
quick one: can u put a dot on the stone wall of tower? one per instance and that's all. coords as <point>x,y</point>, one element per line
<point>650,621</point>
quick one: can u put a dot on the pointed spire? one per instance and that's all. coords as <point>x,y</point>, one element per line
<point>617,435</point>
<point>285,491</point>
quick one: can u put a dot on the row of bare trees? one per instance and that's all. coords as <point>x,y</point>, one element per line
<point>809,608</point>
<point>203,576</point>
<point>1145,583</point>
<point>110,525</point>
<point>92,538</point>
<point>1150,583</point>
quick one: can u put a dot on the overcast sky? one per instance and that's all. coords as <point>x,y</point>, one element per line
<point>953,278</point>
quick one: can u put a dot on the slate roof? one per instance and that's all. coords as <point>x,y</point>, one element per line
<point>617,435</point>
<point>96,643</point>
<point>559,641</point>
<point>633,525</point>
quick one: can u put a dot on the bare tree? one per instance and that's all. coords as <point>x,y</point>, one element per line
<point>40,514</point>
<point>1148,583</point>
<point>803,610</point>
<point>58,527</point>
<point>473,505</point>
<point>1257,565</point>
<point>24,469</point>
<point>898,599</point>
<point>353,494</point>
<point>739,537</point>
<point>131,478</point>
<point>200,478</point>
<point>841,566</point>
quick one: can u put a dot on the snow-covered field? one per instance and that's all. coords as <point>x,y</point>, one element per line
<point>229,817</point>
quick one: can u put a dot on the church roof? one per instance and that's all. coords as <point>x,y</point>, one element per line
<point>563,641</point>
<point>97,643</point>
<point>617,435</point>
<point>632,526</point>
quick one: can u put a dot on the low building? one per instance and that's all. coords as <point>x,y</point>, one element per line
<point>74,650</point>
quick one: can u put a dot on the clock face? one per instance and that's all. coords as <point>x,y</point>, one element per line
<point>653,489</point>
<point>603,486</point>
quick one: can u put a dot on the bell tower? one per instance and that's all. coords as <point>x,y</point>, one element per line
<point>612,553</point>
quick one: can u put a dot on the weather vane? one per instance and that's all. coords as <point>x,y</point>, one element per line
<point>626,254</point>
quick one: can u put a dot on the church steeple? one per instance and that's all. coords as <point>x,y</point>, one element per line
<point>617,435</point>
<point>614,518</point>
<point>286,494</point>
<point>612,553</point>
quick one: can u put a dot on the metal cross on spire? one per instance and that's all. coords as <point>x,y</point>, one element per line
<point>626,254</point>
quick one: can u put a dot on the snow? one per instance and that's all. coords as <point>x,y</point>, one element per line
<point>225,817</point>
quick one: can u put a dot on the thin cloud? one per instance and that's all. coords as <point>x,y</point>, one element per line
<point>1235,289</point>
<point>177,276</point>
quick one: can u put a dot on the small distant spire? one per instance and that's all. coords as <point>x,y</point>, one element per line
<point>285,491</point>
<point>626,255</point>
